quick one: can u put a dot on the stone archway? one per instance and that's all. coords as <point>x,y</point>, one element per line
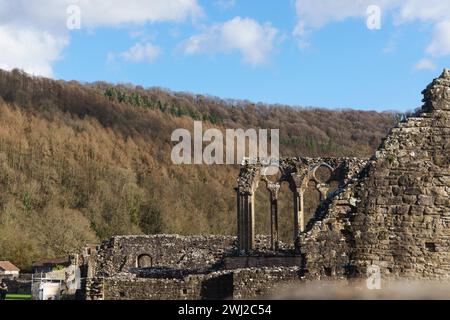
<point>316,179</point>
<point>248,182</point>
<point>144,261</point>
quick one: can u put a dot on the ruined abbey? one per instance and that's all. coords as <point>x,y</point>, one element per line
<point>391,211</point>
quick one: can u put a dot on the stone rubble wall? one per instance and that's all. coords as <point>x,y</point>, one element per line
<point>326,246</point>
<point>402,224</point>
<point>236,284</point>
<point>120,253</point>
<point>170,252</point>
<point>184,268</point>
<point>396,215</point>
<point>263,282</point>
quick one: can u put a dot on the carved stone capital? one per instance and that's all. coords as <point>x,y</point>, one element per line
<point>299,180</point>
<point>273,188</point>
<point>248,179</point>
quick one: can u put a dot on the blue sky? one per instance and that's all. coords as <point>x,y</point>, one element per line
<point>302,52</point>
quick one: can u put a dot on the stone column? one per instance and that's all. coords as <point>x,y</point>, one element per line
<point>323,189</point>
<point>299,216</point>
<point>298,186</point>
<point>273,190</point>
<point>246,221</point>
<point>250,217</point>
<point>240,222</point>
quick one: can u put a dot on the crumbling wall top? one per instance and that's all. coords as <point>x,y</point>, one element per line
<point>437,94</point>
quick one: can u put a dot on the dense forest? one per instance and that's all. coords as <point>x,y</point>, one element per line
<point>82,162</point>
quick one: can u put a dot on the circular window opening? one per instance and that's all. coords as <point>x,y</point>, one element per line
<point>323,173</point>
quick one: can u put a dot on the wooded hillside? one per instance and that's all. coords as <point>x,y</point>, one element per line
<point>82,162</point>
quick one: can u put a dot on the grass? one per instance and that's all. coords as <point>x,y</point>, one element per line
<point>18,297</point>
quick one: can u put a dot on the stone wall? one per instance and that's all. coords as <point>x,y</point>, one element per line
<point>237,284</point>
<point>183,268</point>
<point>262,282</point>
<point>121,253</point>
<point>403,219</point>
<point>153,289</point>
<point>242,262</point>
<point>396,215</point>
<point>327,245</point>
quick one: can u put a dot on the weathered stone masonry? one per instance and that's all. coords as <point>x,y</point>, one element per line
<point>391,211</point>
<point>204,267</point>
<point>326,175</point>
<point>397,214</point>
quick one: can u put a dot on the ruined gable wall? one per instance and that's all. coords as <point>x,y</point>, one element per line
<point>397,216</point>
<point>402,223</point>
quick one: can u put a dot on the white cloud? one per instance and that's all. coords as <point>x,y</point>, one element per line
<point>425,64</point>
<point>428,11</point>
<point>33,34</point>
<point>253,40</point>
<point>52,14</point>
<point>29,50</point>
<point>315,14</point>
<point>440,45</point>
<point>117,12</point>
<point>142,52</point>
<point>225,4</point>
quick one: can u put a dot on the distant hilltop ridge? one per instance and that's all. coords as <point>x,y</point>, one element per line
<point>231,102</point>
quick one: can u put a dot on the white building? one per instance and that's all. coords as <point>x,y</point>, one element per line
<point>8,269</point>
